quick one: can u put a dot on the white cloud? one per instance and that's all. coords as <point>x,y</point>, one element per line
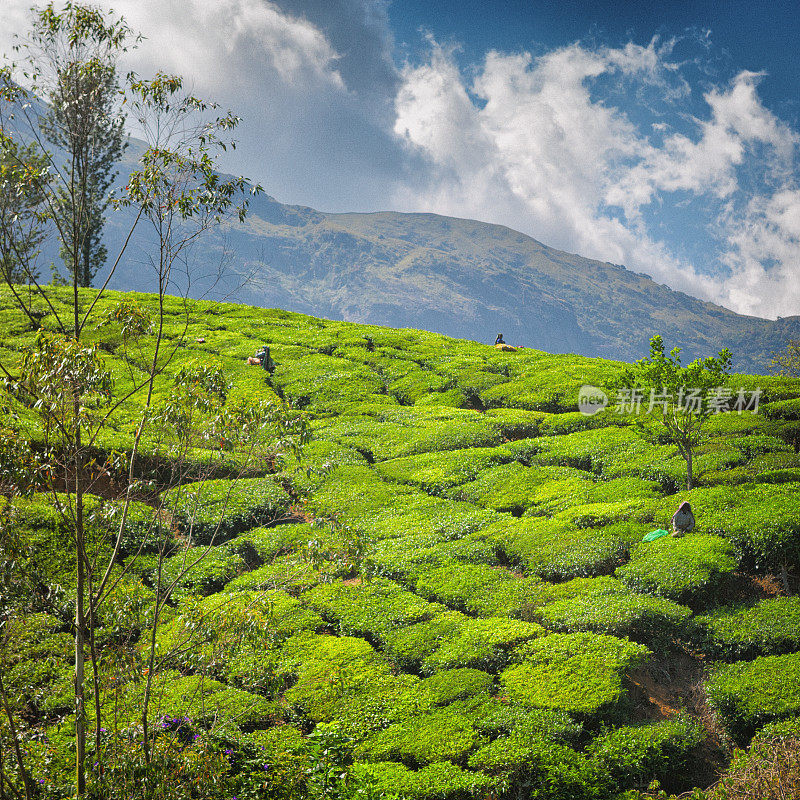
<point>539,145</point>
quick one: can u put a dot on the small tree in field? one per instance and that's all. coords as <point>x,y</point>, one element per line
<point>678,399</point>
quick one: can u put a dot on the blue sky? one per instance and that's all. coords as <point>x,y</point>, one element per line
<point>659,135</point>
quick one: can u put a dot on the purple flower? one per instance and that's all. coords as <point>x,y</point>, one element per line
<point>228,752</point>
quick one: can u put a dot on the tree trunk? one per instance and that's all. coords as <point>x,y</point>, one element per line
<point>689,477</point>
<point>80,619</point>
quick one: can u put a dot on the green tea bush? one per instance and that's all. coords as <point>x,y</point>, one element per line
<point>768,627</point>
<point>442,781</point>
<point>580,673</point>
<point>198,570</point>
<point>36,672</point>
<point>510,487</point>
<point>635,755</point>
<point>445,734</point>
<point>145,530</point>
<point>330,670</point>
<point>540,767</point>
<point>405,558</point>
<point>762,521</point>
<point>204,702</point>
<point>216,510</point>
<point>289,572</point>
<point>652,620</point>
<point>515,423</point>
<point>557,550</point>
<point>680,569</point>
<point>264,544</point>
<point>435,472</point>
<point>369,609</point>
<point>748,694</point>
<point>326,383</point>
<point>476,588</point>
<point>452,640</point>
<point>454,684</point>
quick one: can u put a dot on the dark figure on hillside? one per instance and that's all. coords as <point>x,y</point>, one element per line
<point>682,520</point>
<point>499,339</point>
<point>262,359</point>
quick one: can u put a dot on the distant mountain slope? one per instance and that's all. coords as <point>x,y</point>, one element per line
<point>463,278</point>
<point>460,277</point>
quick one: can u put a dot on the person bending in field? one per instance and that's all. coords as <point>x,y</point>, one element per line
<point>682,520</point>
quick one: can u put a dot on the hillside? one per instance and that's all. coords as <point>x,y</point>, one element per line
<point>459,277</point>
<point>447,597</point>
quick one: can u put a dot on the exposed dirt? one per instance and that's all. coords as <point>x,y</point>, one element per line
<point>673,684</point>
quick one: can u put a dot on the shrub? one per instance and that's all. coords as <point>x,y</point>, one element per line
<point>195,699</point>
<point>330,670</point>
<point>445,734</point>
<point>555,549</point>
<point>635,755</point>
<point>580,673</point>
<point>540,768</point>
<point>435,472</point>
<point>679,569</point>
<point>442,781</point>
<point>452,640</point>
<point>476,588</point>
<point>454,684</point>
<point>653,620</point>
<point>749,694</point>
<point>219,509</point>
<point>290,573</point>
<point>374,609</point>
<point>769,627</point>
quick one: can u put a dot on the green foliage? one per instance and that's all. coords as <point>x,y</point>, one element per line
<point>374,609</point>
<point>749,694</point>
<point>215,510</point>
<point>475,588</point>
<point>445,734</point>
<point>580,673</point>
<point>768,627</point>
<point>452,640</point>
<point>557,549</point>
<point>638,754</point>
<point>652,620</point>
<point>679,569</point>
<point>681,417</point>
<point>441,781</point>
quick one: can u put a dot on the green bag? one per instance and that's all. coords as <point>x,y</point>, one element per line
<point>653,535</point>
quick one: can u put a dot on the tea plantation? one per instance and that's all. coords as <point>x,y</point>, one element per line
<point>446,597</point>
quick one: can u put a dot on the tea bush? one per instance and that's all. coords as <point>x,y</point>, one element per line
<point>652,620</point>
<point>768,627</point>
<point>556,549</point>
<point>635,755</point>
<point>679,569</point>
<point>476,588</point>
<point>435,472</point>
<point>580,673</point>
<point>329,670</point>
<point>442,781</point>
<point>216,510</point>
<point>371,609</point>
<point>748,694</point>
<point>452,640</point>
<point>454,684</point>
<point>446,734</point>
